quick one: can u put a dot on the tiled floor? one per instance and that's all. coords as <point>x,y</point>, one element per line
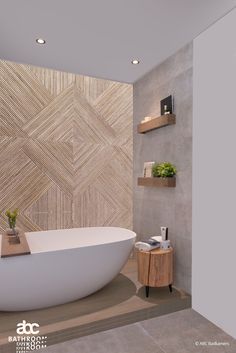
<point>182,332</point>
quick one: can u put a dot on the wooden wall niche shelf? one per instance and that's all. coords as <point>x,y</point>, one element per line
<point>157,182</point>
<point>156,123</point>
<point>13,248</point>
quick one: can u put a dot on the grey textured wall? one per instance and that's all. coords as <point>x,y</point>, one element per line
<point>172,207</point>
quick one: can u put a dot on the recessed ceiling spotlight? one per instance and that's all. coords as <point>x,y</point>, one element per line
<point>40,41</point>
<point>135,62</point>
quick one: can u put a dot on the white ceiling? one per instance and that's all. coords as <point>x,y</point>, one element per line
<point>100,37</point>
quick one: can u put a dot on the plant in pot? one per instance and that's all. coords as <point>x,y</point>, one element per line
<point>12,217</point>
<point>164,170</point>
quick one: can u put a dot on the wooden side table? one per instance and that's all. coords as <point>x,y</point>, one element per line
<point>155,268</point>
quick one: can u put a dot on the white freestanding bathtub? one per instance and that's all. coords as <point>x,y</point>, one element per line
<point>64,265</point>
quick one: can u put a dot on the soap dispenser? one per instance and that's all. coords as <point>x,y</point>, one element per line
<point>164,233</point>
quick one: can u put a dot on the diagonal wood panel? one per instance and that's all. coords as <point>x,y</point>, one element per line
<point>54,122</point>
<point>99,209</point>
<point>115,106</point>
<point>92,88</point>
<point>89,125</point>
<point>54,81</point>
<point>89,164</point>
<point>53,210</point>
<point>54,160</point>
<point>65,149</point>
<point>21,97</point>
<point>22,183</point>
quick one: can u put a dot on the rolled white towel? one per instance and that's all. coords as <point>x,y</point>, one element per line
<point>140,245</point>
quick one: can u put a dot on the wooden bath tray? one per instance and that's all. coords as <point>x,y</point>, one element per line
<point>14,249</point>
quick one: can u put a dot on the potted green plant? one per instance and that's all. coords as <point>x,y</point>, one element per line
<point>12,217</point>
<point>164,170</point>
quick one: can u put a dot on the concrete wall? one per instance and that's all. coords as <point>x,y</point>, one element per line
<point>155,207</point>
<point>214,191</point>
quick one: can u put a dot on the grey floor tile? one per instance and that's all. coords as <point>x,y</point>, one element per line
<point>127,339</point>
<point>217,340</point>
<point>173,323</point>
<point>188,342</point>
<point>186,332</point>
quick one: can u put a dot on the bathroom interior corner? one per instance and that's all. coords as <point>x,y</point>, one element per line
<point>117,208</point>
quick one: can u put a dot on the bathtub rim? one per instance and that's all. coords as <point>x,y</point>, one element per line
<point>132,236</point>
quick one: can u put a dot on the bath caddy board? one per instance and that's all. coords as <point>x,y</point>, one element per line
<point>11,248</point>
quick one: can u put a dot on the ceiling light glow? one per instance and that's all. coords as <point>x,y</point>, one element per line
<point>135,62</point>
<point>40,41</point>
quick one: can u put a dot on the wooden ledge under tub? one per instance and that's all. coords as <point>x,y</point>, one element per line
<point>10,247</point>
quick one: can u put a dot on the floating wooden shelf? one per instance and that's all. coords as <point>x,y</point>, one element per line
<point>157,182</point>
<point>11,248</point>
<point>156,123</point>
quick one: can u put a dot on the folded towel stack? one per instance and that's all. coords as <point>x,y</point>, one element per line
<point>147,245</point>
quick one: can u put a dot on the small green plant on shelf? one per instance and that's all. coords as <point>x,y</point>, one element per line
<point>12,217</point>
<point>164,170</point>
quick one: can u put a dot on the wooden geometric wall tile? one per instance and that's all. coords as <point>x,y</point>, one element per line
<point>91,88</point>
<point>115,106</point>
<point>54,122</point>
<point>65,149</point>
<point>89,162</point>
<point>54,81</point>
<point>111,193</point>
<point>21,98</point>
<point>53,210</point>
<point>99,209</point>
<point>111,183</point>
<point>90,126</point>
<point>54,159</point>
<point>22,183</point>
<point>9,147</point>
